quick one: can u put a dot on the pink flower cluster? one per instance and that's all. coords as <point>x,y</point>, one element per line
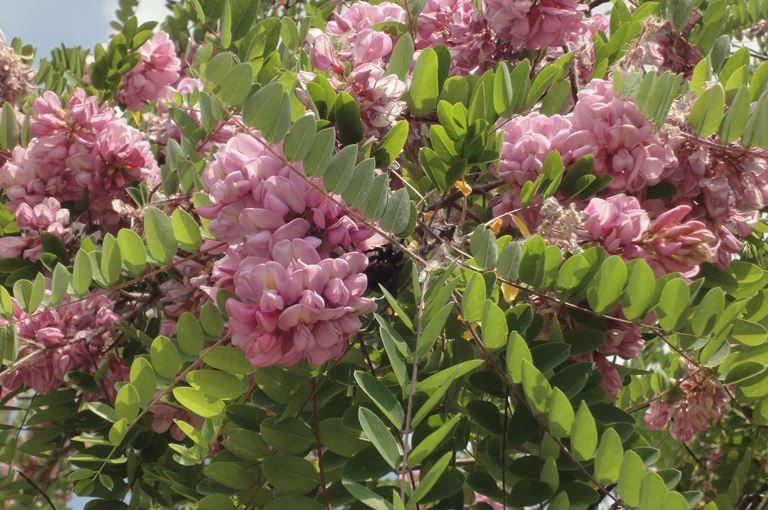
<point>151,78</point>
<point>535,24</point>
<point>56,341</point>
<point>670,245</point>
<point>703,403</point>
<point>351,38</point>
<point>48,217</point>
<point>296,300</point>
<point>81,150</point>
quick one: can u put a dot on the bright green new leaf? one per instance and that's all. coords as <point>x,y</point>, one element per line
<point>392,144</point>
<point>132,251</point>
<point>652,491</point>
<point>81,273</point>
<point>229,359</point>
<point>473,299</point>
<point>402,56</point>
<point>127,402</point>
<point>142,377</point>
<point>630,478</point>
<point>707,111</point>
<point>159,233</point>
<point>198,402</point>
<point>424,92</point>
<point>609,457</point>
<point>640,292</point>
<point>749,333</point>
<point>59,284</point>
<point>608,285</point>
<point>673,302</point>
<point>216,383</point>
<point>494,328</point>
<point>366,496</point>
<point>561,415</point>
<point>502,91</point>
<point>735,121</point>
<point>536,387</point>
<point>583,433</point>
<point>674,501</point>
<point>517,352</point>
<point>164,357</point>
<point>186,230</point>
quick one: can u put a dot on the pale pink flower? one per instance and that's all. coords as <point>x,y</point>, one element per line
<point>378,96</point>
<point>617,222</point>
<point>157,70</point>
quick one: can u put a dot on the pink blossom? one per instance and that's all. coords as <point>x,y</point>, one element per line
<point>619,137</point>
<point>323,55</point>
<point>378,96</point>
<point>617,222</point>
<point>297,306</point>
<point>534,25</point>
<point>676,246</point>
<point>163,416</point>
<point>703,403</point>
<point>16,76</point>
<point>352,32</point>
<point>612,381</point>
<point>150,79</point>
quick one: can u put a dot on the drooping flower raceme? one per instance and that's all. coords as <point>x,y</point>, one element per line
<point>16,76</point>
<point>295,300</point>
<point>535,24</point>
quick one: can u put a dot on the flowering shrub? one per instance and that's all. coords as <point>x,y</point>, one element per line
<point>400,255</point>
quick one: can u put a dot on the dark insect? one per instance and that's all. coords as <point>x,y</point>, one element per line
<point>384,265</point>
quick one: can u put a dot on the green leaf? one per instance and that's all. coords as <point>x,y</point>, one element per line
<point>744,371</point>
<point>127,402</point>
<point>652,491</point>
<point>232,475</point>
<point>397,214</point>
<point>494,328</point>
<point>59,284</point>
<point>225,25</point>
<point>674,501</point>
<point>198,402</point>
<point>430,443</point>
<point>132,251</point>
<point>366,496</point>
<point>432,330</point>
<point>609,457</point>
<point>359,187</point>
<point>9,127</point>
<point>735,121</point>
<point>509,261</point>
<point>583,434</point>
<point>561,415</point>
<point>424,92</point>
<point>264,109</point>
<point>483,246</point>
<point>237,85</point>
<point>165,359</point>
<point>756,131</point>
<point>289,32</point>
<point>346,115</point>
<point>640,293</point>
<point>340,168</point>
<point>517,352</point>
<point>392,144</point>
<point>473,299</point>
<point>229,359</point>
<point>428,480</point>
<point>37,294</point>
<point>142,377</point>
<point>319,155</point>
<point>536,387</point>
<point>379,435</point>
<point>287,436</point>
<point>189,334</point>
<point>382,397</point>
<point>401,57</point>
<point>81,273</point>
<point>297,144</point>
<point>186,230</point>
<point>748,333</point>
<point>391,340</point>
<point>159,233</point>
<point>111,260</point>
<point>117,431</point>
<point>216,383</point>
<point>707,111</point>
<point>708,311</point>
<point>673,303</point>
<point>503,91</point>
<point>608,285</point>
<point>630,478</point>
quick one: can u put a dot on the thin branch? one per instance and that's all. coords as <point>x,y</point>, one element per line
<point>37,488</point>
